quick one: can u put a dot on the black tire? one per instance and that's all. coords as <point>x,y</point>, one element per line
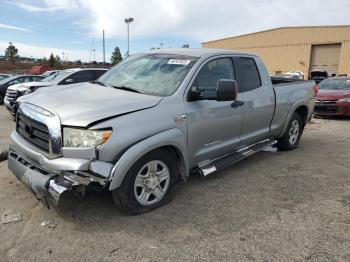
<point>289,141</point>
<point>124,196</point>
<point>1,100</point>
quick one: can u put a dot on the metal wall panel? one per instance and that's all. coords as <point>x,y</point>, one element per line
<point>344,64</point>
<point>286,49</point>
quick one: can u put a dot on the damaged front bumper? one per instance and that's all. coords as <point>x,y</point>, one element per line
<point>47,178</point>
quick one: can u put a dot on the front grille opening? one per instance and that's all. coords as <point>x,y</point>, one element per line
<point>33,131</point>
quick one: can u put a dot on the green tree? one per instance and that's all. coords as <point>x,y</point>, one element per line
<point>11,52</point>
<point>54,61</point>
<point>116,56</point>
<point>51,60</point>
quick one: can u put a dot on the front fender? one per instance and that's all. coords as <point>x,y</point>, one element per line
<point>172,137</point>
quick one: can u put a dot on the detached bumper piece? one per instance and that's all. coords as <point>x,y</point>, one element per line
<point>42,183</point>
<point>47,186</point>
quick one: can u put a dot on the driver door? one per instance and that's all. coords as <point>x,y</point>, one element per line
<point>213,127</point>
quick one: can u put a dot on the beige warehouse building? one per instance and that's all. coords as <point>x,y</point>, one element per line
<point>296,48</point>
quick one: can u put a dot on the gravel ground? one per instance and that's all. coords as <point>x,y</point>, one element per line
<point>274,206</point>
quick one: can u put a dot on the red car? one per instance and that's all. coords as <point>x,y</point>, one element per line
<point>333,97</point>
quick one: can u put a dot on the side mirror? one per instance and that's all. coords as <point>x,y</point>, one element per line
<point>227,90</point>
<point>69,81</point>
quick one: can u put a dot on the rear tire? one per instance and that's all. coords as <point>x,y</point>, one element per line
<point>148,184</point>
<point>290,139</point>
<point>1,100</point>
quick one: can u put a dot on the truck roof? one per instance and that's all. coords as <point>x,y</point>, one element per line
<point>197,52</point>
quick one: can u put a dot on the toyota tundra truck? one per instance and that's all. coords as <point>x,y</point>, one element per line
<point>150,122</point>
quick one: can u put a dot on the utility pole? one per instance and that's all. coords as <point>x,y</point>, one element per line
<point>104,54</point>
<point>128,21</point>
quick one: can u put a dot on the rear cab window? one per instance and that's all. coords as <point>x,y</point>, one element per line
<point>250,74</point>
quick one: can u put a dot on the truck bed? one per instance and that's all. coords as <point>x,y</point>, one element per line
<point>287,95</point>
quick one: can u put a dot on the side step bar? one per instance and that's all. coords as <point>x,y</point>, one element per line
<point>232,158</point>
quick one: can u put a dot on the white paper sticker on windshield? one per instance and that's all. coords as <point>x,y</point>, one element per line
<point>179,62</point>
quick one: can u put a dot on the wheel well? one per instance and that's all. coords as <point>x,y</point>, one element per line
<point>179,158</point>
<point>303,112</point>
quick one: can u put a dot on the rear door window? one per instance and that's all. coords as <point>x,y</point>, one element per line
<point>250,73</point>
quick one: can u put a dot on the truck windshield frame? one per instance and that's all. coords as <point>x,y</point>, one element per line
<point>150,74</point>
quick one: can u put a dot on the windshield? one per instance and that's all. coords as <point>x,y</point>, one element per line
<point>6,80</point>
<point>49,78</point>
<point>335,84</point>
<point>3,77</point>
<point>58,76</point>
<point>154,74</point>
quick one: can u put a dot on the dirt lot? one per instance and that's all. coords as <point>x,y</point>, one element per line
<point>275,206</point>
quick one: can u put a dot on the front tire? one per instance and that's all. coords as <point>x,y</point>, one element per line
<point>290,139</point>
<point>148,184</point>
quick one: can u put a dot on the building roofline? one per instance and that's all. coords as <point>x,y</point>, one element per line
<point>274,29</point>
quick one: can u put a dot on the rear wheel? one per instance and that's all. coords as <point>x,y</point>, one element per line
<point>290,139</point>
<point>1,100</point>
<point>149,183</point>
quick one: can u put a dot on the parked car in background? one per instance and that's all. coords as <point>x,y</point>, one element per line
<point>50,72</point>
<point>295,74</point>
<point>152,120</point>
<point>4,76</point>
<point>333,97</point>
<point>64,77</point>
<point>318,75</point>
<point>12,80</point>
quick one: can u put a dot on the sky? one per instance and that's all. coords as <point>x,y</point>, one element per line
<point>72,28</point>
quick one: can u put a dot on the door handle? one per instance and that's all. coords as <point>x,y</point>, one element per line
<point>237,103</point>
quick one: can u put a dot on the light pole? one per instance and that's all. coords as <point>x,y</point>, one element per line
<point>128,21</point>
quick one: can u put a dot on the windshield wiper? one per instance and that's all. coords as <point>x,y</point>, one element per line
<point>128,88</point>
<point>98,82</point>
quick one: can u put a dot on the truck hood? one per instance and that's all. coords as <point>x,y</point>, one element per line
<point>332,94</point>
<point>85,103</point>
<point>28,85</point>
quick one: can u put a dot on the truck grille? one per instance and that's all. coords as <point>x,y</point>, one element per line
<point>325,107</point>
<point>11,96</point>
<point>33,131</point>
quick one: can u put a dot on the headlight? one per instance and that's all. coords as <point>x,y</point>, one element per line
<point>24,90</point>
<point>73,137</point>
<point>344,100</point>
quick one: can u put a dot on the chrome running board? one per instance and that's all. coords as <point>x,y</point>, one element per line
<point>212,166</point>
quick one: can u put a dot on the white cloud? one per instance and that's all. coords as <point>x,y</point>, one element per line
<point>40,52</point>
<point>206,20</point>
<point>200,20</point>
<point>47,5</point>
<point>12,27</point>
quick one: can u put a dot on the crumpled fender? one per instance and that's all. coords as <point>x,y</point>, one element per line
<point>172,137</point>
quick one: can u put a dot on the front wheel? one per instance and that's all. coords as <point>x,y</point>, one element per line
<point>148,184</point>
<point>290,139</point>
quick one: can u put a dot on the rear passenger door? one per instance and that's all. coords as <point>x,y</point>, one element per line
<point>259,100</point>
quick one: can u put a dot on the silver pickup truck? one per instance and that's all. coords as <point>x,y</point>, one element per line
<point>150,122</point>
